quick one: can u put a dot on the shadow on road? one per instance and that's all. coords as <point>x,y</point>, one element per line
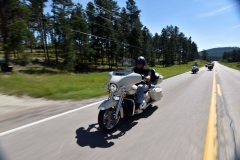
<point>94,137</point>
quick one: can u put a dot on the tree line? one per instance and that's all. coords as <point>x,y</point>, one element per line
<point>233,56</point>
<point>204,55</point>
<point>102,33</point>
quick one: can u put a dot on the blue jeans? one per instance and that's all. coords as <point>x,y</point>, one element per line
<point>140,92</point>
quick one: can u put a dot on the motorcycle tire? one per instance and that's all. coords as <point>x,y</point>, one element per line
<point>101,121</point>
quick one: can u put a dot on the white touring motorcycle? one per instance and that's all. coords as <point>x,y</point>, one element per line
<point>121,101</point>
<point>194,69</point>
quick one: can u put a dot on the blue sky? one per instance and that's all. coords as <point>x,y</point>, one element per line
<point>210,23</point>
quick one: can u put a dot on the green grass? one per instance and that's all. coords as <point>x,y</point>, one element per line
<point>234,65</point>
<point>58,86</point>
<point>66,85</point>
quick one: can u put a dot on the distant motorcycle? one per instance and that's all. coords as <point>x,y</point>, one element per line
<point>210,66</point>
<point>194,69</point>
<point>121,101</point>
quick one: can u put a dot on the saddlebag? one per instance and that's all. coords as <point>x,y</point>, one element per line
<point>155,93</point>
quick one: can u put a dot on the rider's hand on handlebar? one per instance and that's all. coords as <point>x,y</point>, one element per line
<point>147,78</point>
<point>144,79</point>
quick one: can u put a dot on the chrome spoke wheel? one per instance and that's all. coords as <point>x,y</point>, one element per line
<point>106,119</point>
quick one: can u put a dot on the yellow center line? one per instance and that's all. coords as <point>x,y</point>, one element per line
<point>219,90</point>
<point>210,148</point>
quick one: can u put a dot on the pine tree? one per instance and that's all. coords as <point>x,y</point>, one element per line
<point>14,17</point>
<point>133,14</point>
<point>195,50</point>
<point>147,48</point>
<point>204,55</point>
<point>106,13</point>
<point>96,43</point>
<point>79,26</point>
<point>123,33</point>
<point>62,12</point>
<point>39,22</point>
<point>156,46</point>
<point>135,35</point>
<point>164,45</point>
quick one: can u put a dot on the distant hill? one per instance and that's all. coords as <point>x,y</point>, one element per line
<point>216,53</point>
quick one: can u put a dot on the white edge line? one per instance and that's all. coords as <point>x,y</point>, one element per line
<point>46,119</point>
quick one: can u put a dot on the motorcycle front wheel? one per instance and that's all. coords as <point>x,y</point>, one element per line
<point>106,119</point>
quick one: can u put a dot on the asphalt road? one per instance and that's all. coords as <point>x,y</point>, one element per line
<point>174,128</point>
<point>228,105</point>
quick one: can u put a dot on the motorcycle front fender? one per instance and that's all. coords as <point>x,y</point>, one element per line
<point>107,104</point>
<point>110,103</point>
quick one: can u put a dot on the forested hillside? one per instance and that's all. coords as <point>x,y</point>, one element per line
<point>70,36</point>
<point>233,56</point>
<point>216,53</point>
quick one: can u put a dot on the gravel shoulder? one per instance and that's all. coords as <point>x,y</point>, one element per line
<point>17,111</point>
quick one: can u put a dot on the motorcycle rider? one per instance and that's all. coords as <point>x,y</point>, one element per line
<point>195,64</point>
<point>211,63</point>
<point>142,69</point>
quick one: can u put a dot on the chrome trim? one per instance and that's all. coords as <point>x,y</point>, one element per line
<point>111,96</point>
<point>122,89</point>
<point>107,104</point>
<point>121,112</point>
<point>117,88</point>
<point>106,86</point>
<point>118,106</point>
<point>132,102</point>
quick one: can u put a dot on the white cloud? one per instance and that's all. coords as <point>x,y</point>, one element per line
<point>218,11</point>
<point>234,27</point>
<point>220,34</point>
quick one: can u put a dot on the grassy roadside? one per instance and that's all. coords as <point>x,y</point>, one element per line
<point>69,86</point>
<point>234,65</point>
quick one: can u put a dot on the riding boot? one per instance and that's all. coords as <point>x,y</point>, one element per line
<point>137,106</point>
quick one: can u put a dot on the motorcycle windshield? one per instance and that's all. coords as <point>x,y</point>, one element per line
<point>124,78</point>
<point>123,75</point>
<point>126,64</point>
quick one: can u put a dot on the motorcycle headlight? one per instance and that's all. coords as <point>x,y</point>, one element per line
<point>106,86</point>
<point>113,88</point>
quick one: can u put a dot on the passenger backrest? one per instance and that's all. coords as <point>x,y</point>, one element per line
<point>155,77</point>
